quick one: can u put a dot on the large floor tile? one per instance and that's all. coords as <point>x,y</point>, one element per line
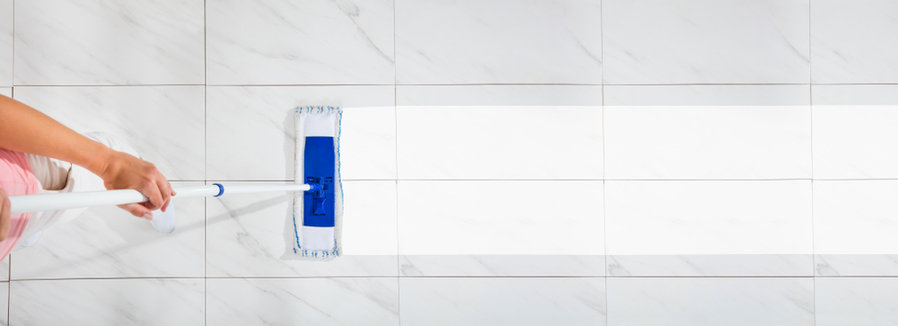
<point>854,131</point>
<point>6,42</point>
<point>163,123</point>
<point>4,301</point>
<point>498,41</point>
<point>484,228</point>
<point>306,42</point>
<point>107,302</point>
<point>855,223</point>
<point>502,301</point>
<point>499,132</point>
<point>97,42</point>
<point>250,130</point>
<point>856,301</point>
<point>706,41</point>
<point>707,132</point>
<point>4,268</point>
<point>854,41</point>
<point>710,301</point>
<point>109,242</point>
<point>245,235</point>
<point>314,301</point>
<point>708,228</point>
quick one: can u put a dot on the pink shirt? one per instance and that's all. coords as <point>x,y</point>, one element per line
<point>16,178</point>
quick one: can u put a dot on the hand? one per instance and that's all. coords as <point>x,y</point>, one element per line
<point>123,171</point>
<point>4,215</point>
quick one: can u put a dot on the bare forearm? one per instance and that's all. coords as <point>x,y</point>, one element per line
<point>24,129</point>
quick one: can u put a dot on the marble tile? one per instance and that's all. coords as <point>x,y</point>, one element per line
<point>163,123</point>
<point>853,42</point>
<point>4,269</point>
<point>855,223</point>
<point>856,301</point>
<point>315,301</point>
<point>499,132</point>
<point>708,228</point>
<point>250,130</point>
<point>108,242</point>
<point>245,235</point>
<point>502,301</point>
<point>706,41</point>
<point>707,132</point>
<point>480,265</point>
<point>854,131</point>
<point>694,265</point>
<point>98,42</point>
<point>6,42</point>
<point>290,42</point>
<point>481,228</point>
<point>498,41</point>
<point>107,302</point>
<point>710,301</point>
<point>4,301</point>
<point>722,96</point>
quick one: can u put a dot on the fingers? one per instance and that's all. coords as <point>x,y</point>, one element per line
<point>165,189</point>
<point>4,215</point>
<point>154,196</point>
<point>137,210</point>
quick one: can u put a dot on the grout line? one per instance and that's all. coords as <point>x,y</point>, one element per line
<point>325,277</point>
<point>396,166</point>
<point>109,85</point>
<point>457,84</point>
<point>813,220</point>
<point>605,271</point>
<point>551,180</point>
<point>205,164</point>
<point>560,180</point>
<point>9,290</point>
<point>12,94</point>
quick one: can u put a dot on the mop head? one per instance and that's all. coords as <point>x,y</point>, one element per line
<point>314,229</point>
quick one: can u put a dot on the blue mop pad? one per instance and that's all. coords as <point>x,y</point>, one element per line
<point>314,229</point>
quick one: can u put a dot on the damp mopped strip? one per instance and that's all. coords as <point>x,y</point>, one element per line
<point>313,231</point>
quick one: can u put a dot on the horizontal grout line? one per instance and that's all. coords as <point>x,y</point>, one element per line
<point>288,85</point>
<point>714,276</point>
<point>499,84</point>
<point>113,85</point>
<point>707,84</point>
<point>855,84</point>
<point>550,180</point>
<point>444,277</point>
<point>110,278</point>
<point>456,84</point>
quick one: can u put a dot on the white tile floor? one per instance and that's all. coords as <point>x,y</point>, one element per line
<point>576,162</point>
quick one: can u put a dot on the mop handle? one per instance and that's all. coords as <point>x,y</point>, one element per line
<point>59,201</point>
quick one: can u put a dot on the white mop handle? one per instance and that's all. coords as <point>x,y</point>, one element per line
<point>58,201</point>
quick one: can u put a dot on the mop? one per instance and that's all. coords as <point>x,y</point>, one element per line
<point>312,231</point>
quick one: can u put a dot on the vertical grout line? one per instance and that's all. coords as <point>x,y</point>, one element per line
<point>9,289</point>
<point>604,188</point>
<point>396,165</point>
<point>205,168</point>
<point>813,220</point>
<point>12,94</point>
<point>12,81</point>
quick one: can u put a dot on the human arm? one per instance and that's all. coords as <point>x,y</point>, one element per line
<point>27,130</point>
